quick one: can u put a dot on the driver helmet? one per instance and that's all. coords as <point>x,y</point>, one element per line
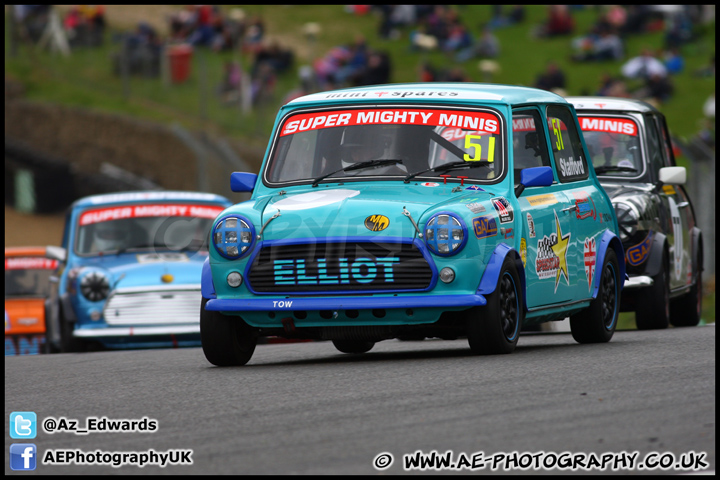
<point>109,236</point>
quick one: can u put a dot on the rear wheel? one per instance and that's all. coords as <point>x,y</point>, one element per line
<point>654,311</point>
<point>686,311</point>
<point>494,328</point>
<point>597,323</point>
<point>353,346</point>
<point>226,341</point>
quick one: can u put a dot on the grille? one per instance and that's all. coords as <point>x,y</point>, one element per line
<point>339,267</point>
<point>161,307</point>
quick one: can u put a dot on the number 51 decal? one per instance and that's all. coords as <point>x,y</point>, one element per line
<point>478,148</point>
<point>558,134</point>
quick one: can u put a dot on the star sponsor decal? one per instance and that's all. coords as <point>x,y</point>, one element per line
<point>560,249</point>
<point>551,257</point>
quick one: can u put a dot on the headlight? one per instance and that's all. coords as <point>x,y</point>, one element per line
<point>233,236</point>
<point>445,234</point>
<point>95,286</point>
<point>628,217</point>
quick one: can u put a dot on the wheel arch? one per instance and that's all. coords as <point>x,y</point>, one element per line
<point>609,241</point>
<point>207,287</point>
<point>656,257</point>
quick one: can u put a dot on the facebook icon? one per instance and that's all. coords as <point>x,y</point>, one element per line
<point>23,456</point>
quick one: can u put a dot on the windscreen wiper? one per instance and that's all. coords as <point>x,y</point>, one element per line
<point>614,168</point>
<point>448,166</point>
<point>359,166</point>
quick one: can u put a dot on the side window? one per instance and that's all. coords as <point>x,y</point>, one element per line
<point>566,145</point>
<point>655,144</point>
<point>528,142</point>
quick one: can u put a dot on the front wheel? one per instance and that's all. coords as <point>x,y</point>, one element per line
<point>226,341</point>
<point>494,328</point>
<point>353,346</point>
<point>597,323</point>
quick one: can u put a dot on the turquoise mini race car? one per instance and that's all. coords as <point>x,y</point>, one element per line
<point>413,211</point>
<point>129,272</point>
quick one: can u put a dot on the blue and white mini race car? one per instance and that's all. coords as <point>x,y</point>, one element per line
<point>415,210</point>
<point>131,273</point>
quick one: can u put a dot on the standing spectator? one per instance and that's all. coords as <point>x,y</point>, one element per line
<point>552,78</point>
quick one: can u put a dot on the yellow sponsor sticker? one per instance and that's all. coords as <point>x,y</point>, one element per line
<point>545,199</point>
<point>377,223</point>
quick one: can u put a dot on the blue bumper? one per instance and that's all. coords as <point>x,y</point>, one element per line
<point>344,303</point>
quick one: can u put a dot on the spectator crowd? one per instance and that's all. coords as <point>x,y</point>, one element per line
<point>645,74</point>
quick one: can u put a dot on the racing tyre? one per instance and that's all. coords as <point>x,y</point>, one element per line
<point>494,328</point>
<point>598,322</point>
<point>654,311</point>
<point>226,341</point>
<point>686,311</point>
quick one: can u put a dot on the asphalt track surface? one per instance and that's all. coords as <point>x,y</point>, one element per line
<point>305,408</point>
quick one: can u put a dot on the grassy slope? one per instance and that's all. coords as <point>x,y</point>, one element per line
<point>85,79</point>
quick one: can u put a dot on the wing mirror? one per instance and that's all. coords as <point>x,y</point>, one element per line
<point>534,177</point>
<point>242,181</point>
<point>56,253</point>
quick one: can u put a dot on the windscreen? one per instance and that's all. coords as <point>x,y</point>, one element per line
<point>613,144</point>
<point>145,227</point>
<point>28,276</point>
<point>336,145</point>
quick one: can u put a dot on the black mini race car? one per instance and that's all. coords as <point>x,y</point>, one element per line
<point>631,151</point>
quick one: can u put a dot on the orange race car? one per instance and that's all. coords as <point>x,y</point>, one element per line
<point>27,288</point>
